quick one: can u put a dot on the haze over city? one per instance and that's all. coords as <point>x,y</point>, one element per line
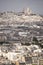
<point>17,5</point>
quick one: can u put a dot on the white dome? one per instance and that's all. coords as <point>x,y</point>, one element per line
<point>27,11</point>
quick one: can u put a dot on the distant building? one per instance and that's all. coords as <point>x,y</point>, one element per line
<point>28,60</point>
<point>41,62</point>
<point>35,60</point>
<point>19,63</point>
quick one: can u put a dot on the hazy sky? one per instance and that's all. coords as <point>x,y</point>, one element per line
<point>18,5</point>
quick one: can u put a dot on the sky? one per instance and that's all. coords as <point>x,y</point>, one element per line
<point>17,5</point>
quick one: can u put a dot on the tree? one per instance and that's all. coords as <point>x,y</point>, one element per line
<point>35,41</point>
